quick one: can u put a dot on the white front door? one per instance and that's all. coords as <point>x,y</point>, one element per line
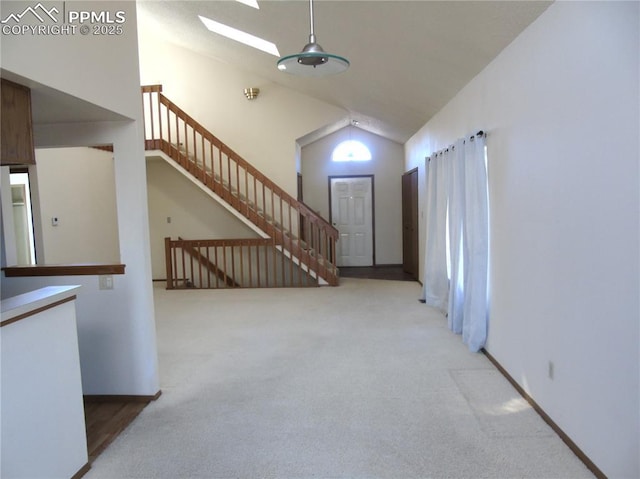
<point>352,215</point>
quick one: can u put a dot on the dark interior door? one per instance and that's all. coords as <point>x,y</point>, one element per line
<point>410,222</point>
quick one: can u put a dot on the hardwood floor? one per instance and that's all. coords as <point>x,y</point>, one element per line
<point>390,272</point>
<point>105,419</point>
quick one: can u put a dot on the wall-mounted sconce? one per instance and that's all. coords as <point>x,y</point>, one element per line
<point>251,93</point>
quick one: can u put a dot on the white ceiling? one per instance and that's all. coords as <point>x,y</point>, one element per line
<point>408,58</point>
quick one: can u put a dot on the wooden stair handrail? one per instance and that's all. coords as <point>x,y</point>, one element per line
<point>318,251</point>
<point>244,163</point>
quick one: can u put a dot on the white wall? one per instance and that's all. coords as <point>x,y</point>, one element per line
<point>77,186</point>
<point>105,358</point>
<point>560,106</point>
<point>387,167</point>
<point>193,214</point>
<point>263,131</point>
<point>104,70</point>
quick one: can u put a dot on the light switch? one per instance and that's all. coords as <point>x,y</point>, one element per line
<point>106,281</point>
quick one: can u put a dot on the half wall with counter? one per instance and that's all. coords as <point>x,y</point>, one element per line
<point>43,426</point>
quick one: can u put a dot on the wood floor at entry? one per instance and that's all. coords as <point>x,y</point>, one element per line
<point>352,215</point>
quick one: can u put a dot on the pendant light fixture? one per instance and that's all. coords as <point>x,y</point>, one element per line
<point>313,61</point>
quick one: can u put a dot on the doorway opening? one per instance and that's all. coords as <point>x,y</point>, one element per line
<point>410,223</point>
<point>22,217</point>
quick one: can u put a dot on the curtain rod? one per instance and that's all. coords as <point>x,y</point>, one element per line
<point>453,147</point>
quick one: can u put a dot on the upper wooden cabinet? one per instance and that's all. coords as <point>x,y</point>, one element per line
<point>15,123</point>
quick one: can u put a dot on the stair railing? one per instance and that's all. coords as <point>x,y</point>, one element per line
<point>292,225</point>
<point>231,263</point>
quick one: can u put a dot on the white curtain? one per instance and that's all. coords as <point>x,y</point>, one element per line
<point>456,216</point>
<point>436,288</point>
<point>476,244</point>
<point>457,188</point>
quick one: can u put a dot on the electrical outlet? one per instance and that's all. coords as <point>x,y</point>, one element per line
<point>106,281</point>
<point>550,370</point>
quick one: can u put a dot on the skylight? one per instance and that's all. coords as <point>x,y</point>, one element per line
<point>240,36</point>
<point>251,3</point>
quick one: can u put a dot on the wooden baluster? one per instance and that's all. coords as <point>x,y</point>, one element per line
<point>313,251</point>
<point>212,173</point>
<point>151,119</point>
<point>309,243</point>
<point>220,166</point>
<point>215,253</point>
<point>187,164</point>
<point>273,213</point>
<point>258,264</point>
<point>159,116</point>
<point>307,240</point>
<point>224,261</point>
<point>250,283</point>
<point>289,246</point>
<point>233,264</point>
<point>176,274</point>
<point>246,192</point>
<point>264,202</point>
<point>238,181</point>
<point>284,273</point>
<point>334,254</point>
<point>274,264</point>
<point>266,265</point>
<point>229,173</point>
<point>320,257</point>
<point>327,250</point>
<point>168,264</point>
<point>240,279</point>
<point>255,194</point>
<point>299,249</point>
<point>195,155</point>
<point>317,249</point>
<point>204,161</point>
<point>323,249</point>
<point>177,145</point>
<point>267,268</point>
<point>184,269</point>
<point>192,273</point>
<point>208,247</point>
<point>168,112</point>
<point>200,257</point>
<point>282,228</point>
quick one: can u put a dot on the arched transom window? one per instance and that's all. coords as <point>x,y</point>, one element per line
<point>351,150</point>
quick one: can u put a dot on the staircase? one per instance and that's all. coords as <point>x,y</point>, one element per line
<point>292,228</point>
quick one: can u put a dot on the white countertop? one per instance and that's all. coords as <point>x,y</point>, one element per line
<point>24,303</point>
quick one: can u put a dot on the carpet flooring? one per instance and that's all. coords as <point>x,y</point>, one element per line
<point>359,381</point>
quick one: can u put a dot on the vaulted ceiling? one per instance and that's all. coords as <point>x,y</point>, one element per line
<point>408,58</point>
